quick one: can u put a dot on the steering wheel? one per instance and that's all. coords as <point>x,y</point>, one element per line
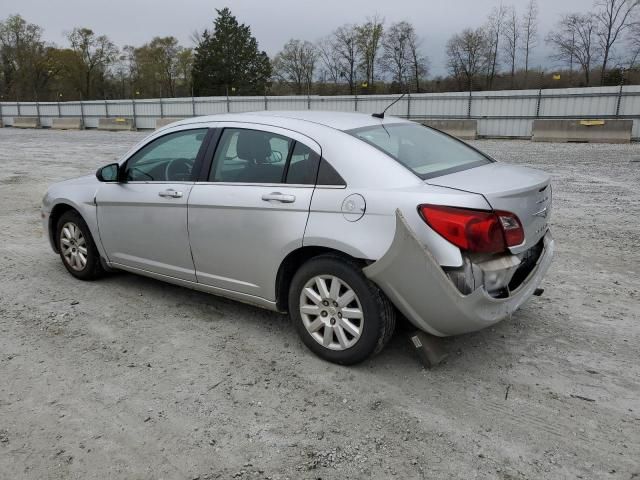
<point>178,167</point>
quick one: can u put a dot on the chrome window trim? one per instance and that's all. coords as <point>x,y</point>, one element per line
<point>164,182</point>
<point>245,184</point>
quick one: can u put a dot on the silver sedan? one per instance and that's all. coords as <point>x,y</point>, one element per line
<point>345,221</point>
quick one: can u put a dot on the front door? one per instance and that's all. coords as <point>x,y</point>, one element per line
<point>253,209</point>
<point>143,218</point>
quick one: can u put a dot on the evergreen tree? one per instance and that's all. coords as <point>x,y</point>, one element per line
<point>227,60</point>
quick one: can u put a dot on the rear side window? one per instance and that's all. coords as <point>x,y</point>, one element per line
<point>303,166</point>
<point>256,156</point>
<point>327,175</point>
<point>250,156</point>
<point>426,152</point>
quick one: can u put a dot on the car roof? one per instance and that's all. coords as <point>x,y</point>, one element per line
<point>336,120</point>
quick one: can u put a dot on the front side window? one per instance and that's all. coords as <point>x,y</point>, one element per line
<point>426,152</point>
<point>167,159</point>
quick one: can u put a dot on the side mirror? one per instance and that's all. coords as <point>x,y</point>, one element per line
<point>108,173</point>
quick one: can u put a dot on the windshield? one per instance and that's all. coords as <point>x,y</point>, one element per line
<point>426,152</point>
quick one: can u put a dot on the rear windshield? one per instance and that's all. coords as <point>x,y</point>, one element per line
<point>426,152</point>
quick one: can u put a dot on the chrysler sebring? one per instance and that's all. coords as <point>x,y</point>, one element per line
<point>343,220</point>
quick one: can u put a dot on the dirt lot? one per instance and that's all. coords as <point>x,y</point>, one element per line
<point>131,378</point>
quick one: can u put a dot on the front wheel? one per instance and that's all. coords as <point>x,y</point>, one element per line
<point>340,315</point>
<point>77,248</point>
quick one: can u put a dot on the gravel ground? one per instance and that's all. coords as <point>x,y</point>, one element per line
<point>131,378</point>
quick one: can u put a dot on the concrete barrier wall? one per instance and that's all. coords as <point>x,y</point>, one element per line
<point>71,123</point>
<point>588,131</point>
<point>116,124</point>
<point>26,122</point>
<point>463,129</point>
<point>163,122</point>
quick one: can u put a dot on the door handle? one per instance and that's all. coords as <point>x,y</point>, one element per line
<point>170,193</point>
<point>278,197</point>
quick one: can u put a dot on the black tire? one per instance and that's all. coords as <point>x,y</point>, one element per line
<point>378,313</point>
<point>93,268</point>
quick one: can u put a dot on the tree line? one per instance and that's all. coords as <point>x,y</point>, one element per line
<point>597,47</point>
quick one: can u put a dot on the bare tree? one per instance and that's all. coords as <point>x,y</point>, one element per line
<point>613,18</point>
<point>419,62</point>
<point>345,42</point>
<point>296,64</point>
<point>396,55</point>
<point>330,58</point>
<point>96,54</point>
<point>575,38</point>
<point>512,34</point>
<point>466,55</point>
<point>529,26</point>
<point>369,38</point>
<point>633,46</point>
<point>494,27</point>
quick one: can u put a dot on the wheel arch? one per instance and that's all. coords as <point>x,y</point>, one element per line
<point>56,212</point>
<point>293,261</point>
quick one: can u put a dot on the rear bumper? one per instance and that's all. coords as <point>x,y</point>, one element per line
<point>420,289</point>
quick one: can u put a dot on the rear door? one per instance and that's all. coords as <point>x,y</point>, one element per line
<point>143,218</point>
<point>252,208</point>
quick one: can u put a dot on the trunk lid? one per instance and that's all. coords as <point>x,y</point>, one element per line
<point>520,190</point>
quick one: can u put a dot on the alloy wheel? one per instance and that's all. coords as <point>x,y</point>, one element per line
<point>331,312</point>
<point>73,246</point>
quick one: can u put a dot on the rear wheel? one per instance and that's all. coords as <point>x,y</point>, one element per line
<point>340,315</point>
<point>77,248</point>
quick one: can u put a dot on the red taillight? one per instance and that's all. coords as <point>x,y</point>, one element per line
<point>474,230</point>
<point>512,228</point>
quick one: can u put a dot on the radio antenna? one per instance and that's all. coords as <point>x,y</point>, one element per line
<point>381,115</point>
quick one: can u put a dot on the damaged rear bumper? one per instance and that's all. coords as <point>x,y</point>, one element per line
<point>420,289</point>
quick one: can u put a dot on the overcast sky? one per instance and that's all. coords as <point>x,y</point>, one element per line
<point>273,22</point>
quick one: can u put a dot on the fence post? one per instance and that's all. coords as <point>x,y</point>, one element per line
<point>1,117</point>
<point>38,111</point>
<point>59,114</point>
<point>106,108</point>
<point>539,102</point>
<point>620,93</point>
<point>470,98</point>
<point>408,105</point>
<point>266,103</point>
<point>193,106</point>
<point>308,102</point>
<point>82,112</point>
<point>161,109</point>
<point>355,101</point>
<point>135,118</point>
<point>18,105</point>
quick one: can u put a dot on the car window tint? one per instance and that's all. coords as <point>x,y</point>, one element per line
<point>303,166</point>
<point>167,159</point>
<point>327,175</point>
<point>250,156</point>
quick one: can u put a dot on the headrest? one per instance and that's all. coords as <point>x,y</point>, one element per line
<point>253,146</point>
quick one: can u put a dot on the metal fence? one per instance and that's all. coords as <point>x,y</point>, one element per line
<point>499,114</point>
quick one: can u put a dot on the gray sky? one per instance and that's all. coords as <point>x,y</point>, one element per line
<point>273,22</point>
